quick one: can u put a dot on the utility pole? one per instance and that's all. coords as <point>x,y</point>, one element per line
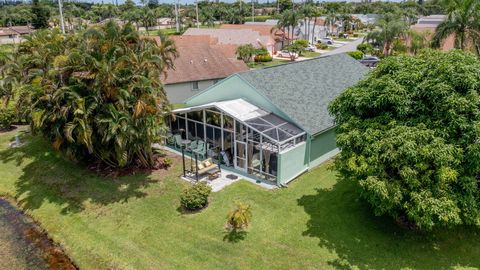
<point>196,10</point>
<point>253,11</point>
<point>177,24</point>
<point>62,23</point>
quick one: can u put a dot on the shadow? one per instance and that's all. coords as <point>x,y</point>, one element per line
<point>49,177</point>
<point>345,225</point>
<point>234,236</point>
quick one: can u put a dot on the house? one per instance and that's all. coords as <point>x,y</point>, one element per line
<point>258,35</point>
<point>271,124</point>
<point>14,34</point>
<point>427,25</point>
<point>202,62</point>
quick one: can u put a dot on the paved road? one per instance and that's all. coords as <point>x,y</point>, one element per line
<point>349,47</point>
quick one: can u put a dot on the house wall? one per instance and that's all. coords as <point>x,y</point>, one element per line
<point>179,92</point>
<point>292,163</point>
<point>322,147</point>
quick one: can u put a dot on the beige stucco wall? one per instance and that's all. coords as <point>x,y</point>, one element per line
<point>178,92</point>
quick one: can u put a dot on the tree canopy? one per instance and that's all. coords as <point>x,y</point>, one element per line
<point>410,135</point>
<point>95,94</point>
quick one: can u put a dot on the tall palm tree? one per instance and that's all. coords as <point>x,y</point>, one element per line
<point>391,27</point>
<point>98,94</point>
<point>463,21</point>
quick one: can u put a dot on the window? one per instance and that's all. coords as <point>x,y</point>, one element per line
<point>194,85</point>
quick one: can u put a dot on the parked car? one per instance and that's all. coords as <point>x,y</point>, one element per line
<point>310,48</point>
<point>370,61</point>
<point>326,40</point>
<point>286,54</point>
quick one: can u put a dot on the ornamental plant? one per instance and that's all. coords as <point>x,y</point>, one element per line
<point>195,197</point>
<point>410,137</point>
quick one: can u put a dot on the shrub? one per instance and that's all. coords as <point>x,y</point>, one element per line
<point>239,218</point>
<point>355,35</point>
<point>321,46</point>
<point>167,162</point>
<point>366,48</point>
<point>302,43</point>
<point>263,58</point>
<point>196,196</point>
<point>341,34</point>
<point>356,54</point>
<point>7,116</point>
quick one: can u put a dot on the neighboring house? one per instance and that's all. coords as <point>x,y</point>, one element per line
<point>428,25</point>
<point>201,63</point>
<point>316,29</point>
<point>14,34</point>
<point>240,34</point>
<point>273,123</point>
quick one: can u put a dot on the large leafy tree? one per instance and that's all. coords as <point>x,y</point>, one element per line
<point>97,94</point>
<point>410,136</point>
<point>463,21</point>
<point>41,15</point>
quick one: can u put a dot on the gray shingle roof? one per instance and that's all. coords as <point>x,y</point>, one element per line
<point>303,90</point>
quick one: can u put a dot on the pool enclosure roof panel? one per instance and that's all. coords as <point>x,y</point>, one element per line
<point>268,124</point>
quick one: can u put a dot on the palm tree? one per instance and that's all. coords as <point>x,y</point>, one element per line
<point>391,27</point>
<point>463,21</point>
<point>98,94</point>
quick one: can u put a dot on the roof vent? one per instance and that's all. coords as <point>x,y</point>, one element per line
<point>205,60</point>
<point>191,61</point>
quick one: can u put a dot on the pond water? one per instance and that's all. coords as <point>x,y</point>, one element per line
<point>24,245</point>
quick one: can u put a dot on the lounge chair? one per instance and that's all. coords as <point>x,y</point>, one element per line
<point>179,142</point>
<point>206,166</point>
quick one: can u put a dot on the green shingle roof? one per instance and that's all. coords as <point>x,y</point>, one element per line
<point>303,90</point>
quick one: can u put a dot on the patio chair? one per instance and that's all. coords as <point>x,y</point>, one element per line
<point>201,149</point>
<point>192,146</point>
<point>178,141</point>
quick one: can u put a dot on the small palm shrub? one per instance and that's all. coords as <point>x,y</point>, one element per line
<point>366,48</point>
<point>195,197</point>
<point>6,118</point>
<point>240,217</point>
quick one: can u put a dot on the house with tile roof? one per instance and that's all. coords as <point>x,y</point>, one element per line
<point>239,34</point>
<point>271,124</point>
<point>427,25</point>
<point>201,63</point>
<point>14,34</point>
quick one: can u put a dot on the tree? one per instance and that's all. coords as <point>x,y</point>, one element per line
<point>392,27</point>
<point>239,218</point>
<point>41,15</point>
<point>294,50</point>
<point>97,94</point>
<point>409,134</point>
<point>245,52</point>
<point>463,21</point>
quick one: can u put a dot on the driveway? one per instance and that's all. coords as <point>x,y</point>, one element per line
<point>349,47</point>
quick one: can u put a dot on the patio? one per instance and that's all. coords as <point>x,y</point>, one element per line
<point>225,177</point>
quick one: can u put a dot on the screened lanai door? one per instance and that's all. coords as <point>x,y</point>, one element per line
<point>240,146</point>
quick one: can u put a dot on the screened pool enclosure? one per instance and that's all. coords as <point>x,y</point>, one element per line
<point>239,134</point>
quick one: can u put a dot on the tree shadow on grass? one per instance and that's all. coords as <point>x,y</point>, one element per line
<point>345,224</point>
<point>48,177</point>
<point>234,236</point>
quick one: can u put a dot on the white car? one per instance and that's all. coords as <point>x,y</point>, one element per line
<point>326,40</point>
<point>286,54</point>
<point>310,48</point>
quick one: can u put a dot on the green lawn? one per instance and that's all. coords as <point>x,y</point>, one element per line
<point>274,62</point>
<point>310,54</point>
<point>133,222</point>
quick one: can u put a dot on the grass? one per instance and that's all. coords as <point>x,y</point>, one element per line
<point>134,223</point>
<point>274,62</point>
<point>308,54</point>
